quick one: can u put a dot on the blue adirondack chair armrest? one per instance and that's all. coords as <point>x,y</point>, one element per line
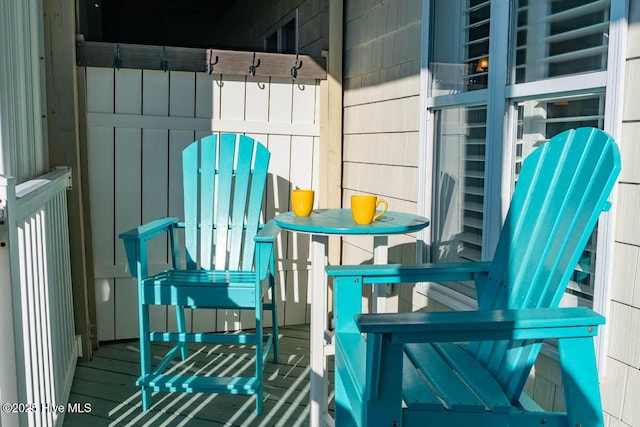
<point>134,238</point>
<point>457,326</point>
<point>267,233</point>
<point>483,325</point>
<point>265,258</point>
<point>411,273</point>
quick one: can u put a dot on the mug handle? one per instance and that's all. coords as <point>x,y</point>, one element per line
<point>378,215</point>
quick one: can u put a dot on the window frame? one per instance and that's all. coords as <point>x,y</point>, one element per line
<point>277,30</point>
<point>499,157</point>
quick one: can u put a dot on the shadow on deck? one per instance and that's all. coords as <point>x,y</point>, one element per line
<point>108,383</point>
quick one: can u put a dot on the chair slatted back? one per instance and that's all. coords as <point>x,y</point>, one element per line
<point>562,188</point>
<point>224,180</point>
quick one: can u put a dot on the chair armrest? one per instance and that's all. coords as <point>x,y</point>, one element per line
<point>133,239</point>
<point>410,273</point>
<point>150,229</point>
<point>267,233</point>
<point>264,249</point>
<point>484,325</point>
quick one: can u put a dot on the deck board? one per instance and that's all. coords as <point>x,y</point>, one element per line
<point>107,382</point>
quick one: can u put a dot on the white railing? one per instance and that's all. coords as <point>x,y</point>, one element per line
<point>36,307</point>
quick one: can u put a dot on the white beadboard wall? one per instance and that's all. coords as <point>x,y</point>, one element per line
<point>138,122</point>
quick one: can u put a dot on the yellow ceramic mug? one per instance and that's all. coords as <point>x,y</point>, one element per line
<point>363,208</point>
<point>302,202</point>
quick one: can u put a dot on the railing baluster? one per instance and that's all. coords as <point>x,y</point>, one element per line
<point>46,346</point>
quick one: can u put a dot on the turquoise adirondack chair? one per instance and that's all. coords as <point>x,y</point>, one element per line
<point>229,263</point>
<point>469,367</point>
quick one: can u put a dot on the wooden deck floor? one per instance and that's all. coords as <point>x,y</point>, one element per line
<point>108,383</point>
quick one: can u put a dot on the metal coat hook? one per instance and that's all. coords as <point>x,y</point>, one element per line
<point>254,65</point>
<point>209,63</point>
<point>164,64</point>
<point>117,62</point>
<point>296,67</point>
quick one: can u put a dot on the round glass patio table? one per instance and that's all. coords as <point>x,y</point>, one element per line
<point>320,225</point>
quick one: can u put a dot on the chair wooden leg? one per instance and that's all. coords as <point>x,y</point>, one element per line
<point>182,328</point>
<point>385,404</point>
<point>145,352</point>
<point>146,398</point>
<point>580,381</point>
<point>274,321</point>
<point>259,374</point>
<point>259,401</point>
<point>344,415</point>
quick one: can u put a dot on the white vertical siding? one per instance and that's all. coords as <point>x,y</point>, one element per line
<point>23,148</point>
<point>139,121</point>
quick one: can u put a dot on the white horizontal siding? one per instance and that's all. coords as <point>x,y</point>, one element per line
<point>395,115</point>
<point>630,411</point>
<point>624,322</point>
<point>381,85</point>
<point>621,385</point>
<point>387,86</point>
<point>620,394</point>
<point>627,230</point>
<point>625,287</point>
<point>383,180</point>
<point>375,148</point>
<point>614,383</point>
<point>631,109</point>
<point>630,152</point>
